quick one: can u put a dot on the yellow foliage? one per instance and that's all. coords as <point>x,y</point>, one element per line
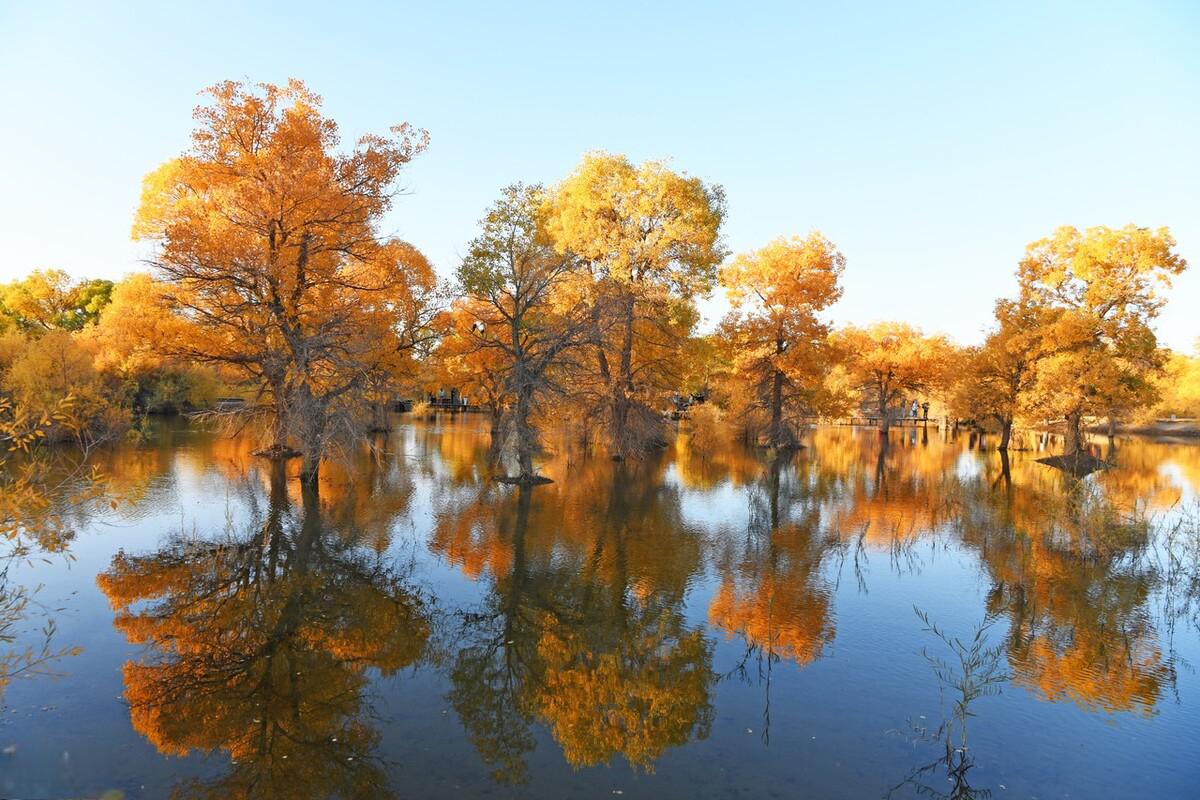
<point>891,363</point>
<point>776,343</point>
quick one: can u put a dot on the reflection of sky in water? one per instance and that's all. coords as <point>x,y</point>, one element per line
<point>732,627</point>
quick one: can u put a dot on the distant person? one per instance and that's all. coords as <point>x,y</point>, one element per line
<point>913,410</point>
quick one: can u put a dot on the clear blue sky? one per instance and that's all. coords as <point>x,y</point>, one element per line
<point>931,141</point>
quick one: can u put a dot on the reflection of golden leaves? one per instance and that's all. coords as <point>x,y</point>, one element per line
<point>261,647</point>
<point>781,616</point>
<point>649,694</point>
<point>1099,673</point>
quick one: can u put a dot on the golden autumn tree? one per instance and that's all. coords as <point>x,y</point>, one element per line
<point>649,238</point>
<point>267,233</point>
<point>888,362</point>
<point>514,281</point>
<point>1179,385</point>
<point>410,315</point>
<point>49,299</point>
<point>59,366</point>
<point>127,349</point>
<point>1102,289</point>
<point>998,377</point>
<point>477,372</point>
<point>777,342</point>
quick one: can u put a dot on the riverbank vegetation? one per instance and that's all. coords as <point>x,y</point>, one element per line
<point>273,301</point>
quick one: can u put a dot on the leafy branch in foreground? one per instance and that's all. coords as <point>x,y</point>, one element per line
<point>36,494</point>
<point>974,670</point>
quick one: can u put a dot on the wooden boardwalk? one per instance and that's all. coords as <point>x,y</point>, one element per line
<point>873,422</point>
<point>439,404</point>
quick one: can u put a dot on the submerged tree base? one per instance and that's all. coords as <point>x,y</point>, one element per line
<point>783,448</point>
<point>530,480</point>
<point>277,452</point>
<point>1079,463</point>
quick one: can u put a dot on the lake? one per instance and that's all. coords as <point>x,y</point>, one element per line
<point>855,620</point>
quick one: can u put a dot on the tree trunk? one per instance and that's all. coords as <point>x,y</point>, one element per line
<point>313,435</point>
<point>885,422</point>
<point>279,429</point>
<point>526,440</point>
<point>773,486</point>
<point>622,388</point>
<point>776,435</point>
<point>379,416</point>
<point>1006,426</point>
<point>1074,433</point>
<point>495,416</point>
<point>310,469</point>
<point>1112,426</point>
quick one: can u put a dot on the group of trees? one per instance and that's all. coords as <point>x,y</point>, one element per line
<point>272,280</point>
<point>92,347</point>
<point>583,294</point>
<point>1077,343</point>
<point>267,239</point>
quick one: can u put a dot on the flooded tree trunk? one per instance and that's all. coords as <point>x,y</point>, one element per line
<point>623,385</point>
<point>1006,426</point>
<point>1074,433</point>
<point>310,468</point>
<point>379,417</point>
<point>779,436</point>
<point>776,436</point>
<point>278,448</point>
<point>526,438</point>
<point>884,421</point>
<point>313,421</point>
<point>495,416</point>
<point>279,429</point>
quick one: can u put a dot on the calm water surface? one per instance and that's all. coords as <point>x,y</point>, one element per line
<point>689,626</point>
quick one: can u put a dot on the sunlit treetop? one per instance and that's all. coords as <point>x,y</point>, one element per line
<point>640,223</point>
<point>1114,273</point>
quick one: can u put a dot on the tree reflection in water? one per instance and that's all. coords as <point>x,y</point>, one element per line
<point>774,591</point>
<point>1070,572</point>
<point>582,628</point>
<point>263,645</point>
<point>260,646</point>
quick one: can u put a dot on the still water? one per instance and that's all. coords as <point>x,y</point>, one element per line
<point>694,625</point>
